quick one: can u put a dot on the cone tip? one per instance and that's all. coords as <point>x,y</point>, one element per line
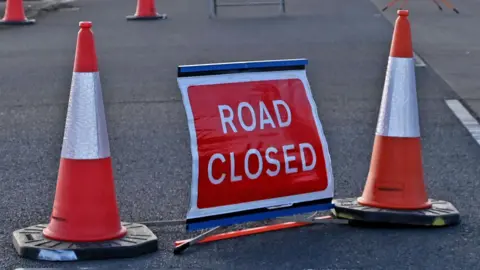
<point>85,24</point>
<point>402,13</point>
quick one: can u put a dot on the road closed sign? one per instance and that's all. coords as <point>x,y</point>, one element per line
<point>258,147</point>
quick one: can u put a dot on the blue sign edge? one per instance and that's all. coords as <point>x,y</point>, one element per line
<point>242,65</point>
<point>257,216</point>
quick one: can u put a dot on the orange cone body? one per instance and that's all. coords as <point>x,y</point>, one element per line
<point>85,207</point>
<point>14,12</point>
<point>396,178</point>
<point>146,8</point>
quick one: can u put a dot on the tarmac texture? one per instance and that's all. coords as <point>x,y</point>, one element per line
<point>347,44</point>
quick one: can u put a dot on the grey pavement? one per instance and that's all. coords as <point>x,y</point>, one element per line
<point>347,43</point>
<point>448,42</point>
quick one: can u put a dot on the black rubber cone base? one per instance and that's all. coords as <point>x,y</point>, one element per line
<point>30,243</point>
<point>147,18</point>
<point>441,214</point>
<point>25,22</point>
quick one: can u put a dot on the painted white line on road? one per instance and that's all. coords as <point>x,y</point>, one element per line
<point>418,60</point>
<point>466,118</point>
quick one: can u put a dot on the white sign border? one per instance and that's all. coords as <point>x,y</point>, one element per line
<point>185,82</point>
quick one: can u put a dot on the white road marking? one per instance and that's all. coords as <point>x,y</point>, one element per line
<point>470,123</point>
<point>418,60</point>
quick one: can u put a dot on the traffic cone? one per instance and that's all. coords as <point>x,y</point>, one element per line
<point>146,10</point>
<point>15,14</point>
<point>395,190</point>
<point>85,207</point>
<point>85,210</point>
<point>396,178</point>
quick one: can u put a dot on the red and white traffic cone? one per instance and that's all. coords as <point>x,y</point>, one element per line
<point>396,177</point>
<point>85,207</point>
<point>395,190</point>
<point>85,221</point>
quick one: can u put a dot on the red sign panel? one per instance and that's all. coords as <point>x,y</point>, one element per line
<point>256,141</point>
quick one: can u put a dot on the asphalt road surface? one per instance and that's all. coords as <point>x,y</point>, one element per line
<point>347,43</point>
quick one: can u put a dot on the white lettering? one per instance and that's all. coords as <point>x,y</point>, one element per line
<point>306,167</point>
<point>272,161</point>
<point>265,117</point>
<point>225,119</point>
<point>210,169</point>
<point>240,116</point>
<point>287,158</point>
<point>234,177</point>
<point>260,164</point>
<point>279,117</point>
<point>269,164</point>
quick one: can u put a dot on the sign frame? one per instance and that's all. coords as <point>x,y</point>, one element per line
<point>209,74</point>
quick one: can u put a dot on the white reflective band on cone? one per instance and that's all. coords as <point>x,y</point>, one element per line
<point>85,128</point>
<point>398,116</point>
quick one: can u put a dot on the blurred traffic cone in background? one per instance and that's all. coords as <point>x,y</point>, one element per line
<point>85,210</point>
<point>395,191</point>
<point>146,10</point>
<point>15,14</point>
